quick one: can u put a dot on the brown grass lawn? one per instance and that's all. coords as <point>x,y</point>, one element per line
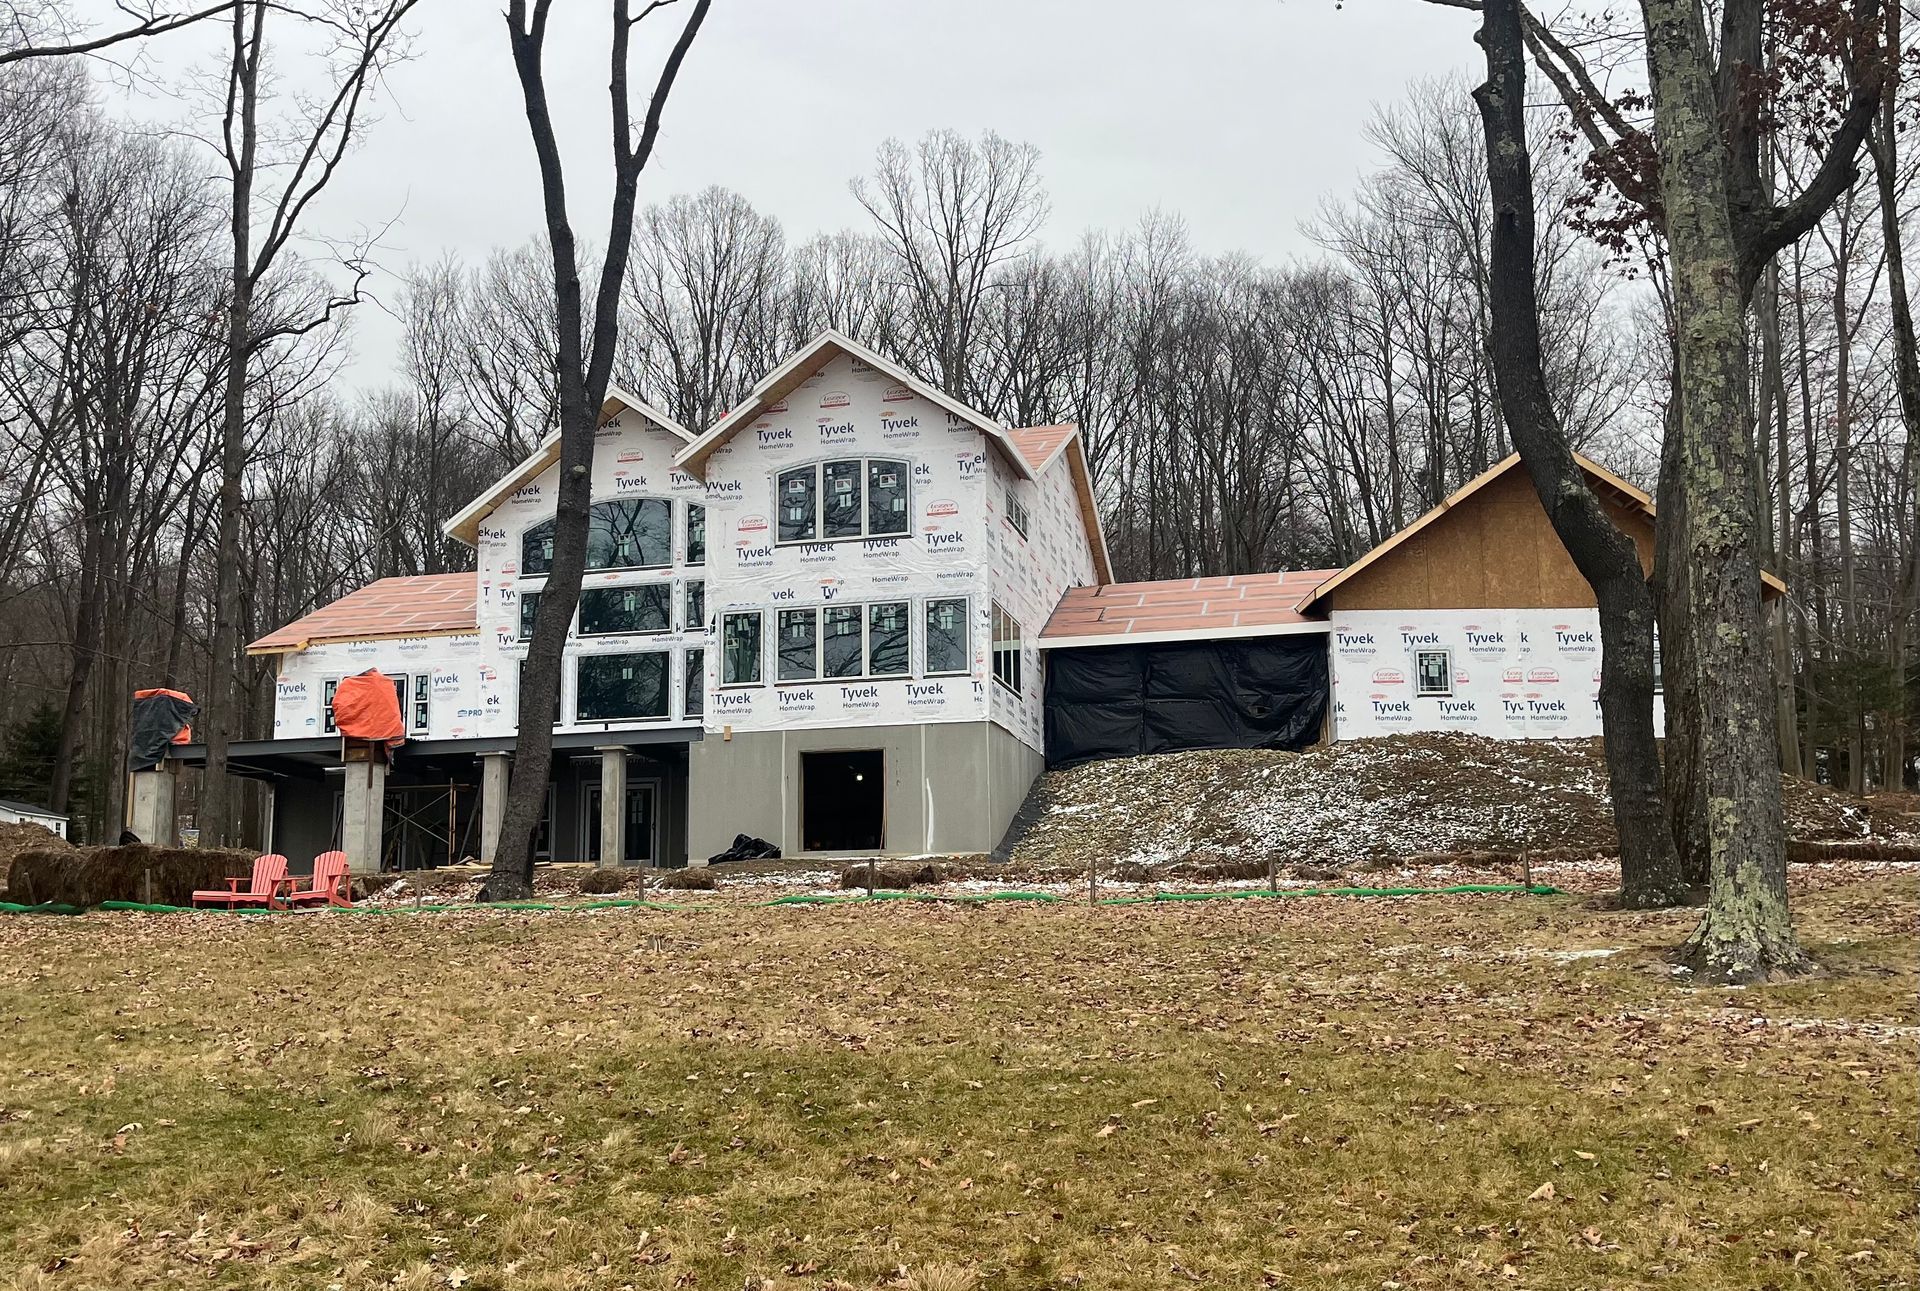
<point>1318,1093</point>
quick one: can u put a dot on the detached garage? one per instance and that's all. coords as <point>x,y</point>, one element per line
<point>1197,663</point>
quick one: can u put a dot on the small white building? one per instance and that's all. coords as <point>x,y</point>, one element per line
<point>21,813</point>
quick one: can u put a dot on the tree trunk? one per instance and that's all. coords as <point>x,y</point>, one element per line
<point>1685,790</point>
<point>1607,558</point>
<point>1747,934</point>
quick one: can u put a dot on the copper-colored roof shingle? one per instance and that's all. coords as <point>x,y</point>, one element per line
<point>1038,444</point>
<point>1186,607</point>
<point>421,605</point>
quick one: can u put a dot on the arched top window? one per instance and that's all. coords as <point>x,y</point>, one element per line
<point>631,533</point>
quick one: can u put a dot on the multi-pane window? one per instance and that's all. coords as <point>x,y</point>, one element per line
<point>740,649</point>
<point>620,687</point>
<point>696,534</point>
<point>696,607</point>
<point>1016,512</point>
<point>946,629</point>
<point>631,533</point>
<point>605,611</point>
<point>422,711</point>
<point>693,701</point>
<point>860,497</point>
<point>326,711</point>
<point>1433,673</point>
<point>840,641</point>
<point>1006,649</point>
<point>529,607</point>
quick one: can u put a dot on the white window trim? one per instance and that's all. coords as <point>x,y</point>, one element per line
<point>819,500</point>
<point>578,628</point>
<point>1018,649</point>
<point>1016,512</point>
<point>966,626</point>
<point>720,644</point>
<point>1419,689</point>
<point>866,643</point>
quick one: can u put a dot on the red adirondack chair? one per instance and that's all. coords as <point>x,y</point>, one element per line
<point>263,886</point>
<point>329,884</point>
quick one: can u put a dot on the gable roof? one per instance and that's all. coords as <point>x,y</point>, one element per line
<point>809,359</point>
<point>1040,447</point>
<point>415,606</point>
<point>1604,481</point>
<point>1184,609</point>
<point>464,524</point>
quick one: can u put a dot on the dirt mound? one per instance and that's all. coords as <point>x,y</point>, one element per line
<point>17,837</point>
<point>1370,801</point>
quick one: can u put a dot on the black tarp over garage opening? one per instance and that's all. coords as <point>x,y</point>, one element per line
<point>1121,700</point>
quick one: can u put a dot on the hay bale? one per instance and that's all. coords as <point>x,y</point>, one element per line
<point>895,877</point>
<point>18,836</point>
<point>691,879</point>
<point>86,876</point>
<point>599,882</point>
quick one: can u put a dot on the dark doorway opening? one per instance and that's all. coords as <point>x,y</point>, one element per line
<point>842,801</point>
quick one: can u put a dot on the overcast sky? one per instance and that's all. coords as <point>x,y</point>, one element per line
<point>1241,115</point>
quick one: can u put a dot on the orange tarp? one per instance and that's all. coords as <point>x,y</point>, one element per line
<point>365,707</point>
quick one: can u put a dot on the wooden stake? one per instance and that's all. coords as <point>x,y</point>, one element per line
<point>1526,870</point>
<point>1273,882</point>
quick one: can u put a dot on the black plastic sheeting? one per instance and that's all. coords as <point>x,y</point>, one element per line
<point>1120,701</point>
<point>157,718</point>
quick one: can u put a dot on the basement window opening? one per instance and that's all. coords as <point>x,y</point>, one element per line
<point>1433,674</point>
<point>843,800</point>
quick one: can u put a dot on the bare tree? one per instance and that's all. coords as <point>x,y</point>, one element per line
<point>44,29</point>
<point>584,366</point>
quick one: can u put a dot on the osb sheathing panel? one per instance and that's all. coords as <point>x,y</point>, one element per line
<point>1496,550</point>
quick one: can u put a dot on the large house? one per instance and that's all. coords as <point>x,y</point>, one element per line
<point>857,617</point>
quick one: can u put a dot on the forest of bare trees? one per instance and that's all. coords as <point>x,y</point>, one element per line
<point>1241,414</point>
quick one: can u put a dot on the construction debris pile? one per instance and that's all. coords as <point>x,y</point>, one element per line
<point>1374,801</point>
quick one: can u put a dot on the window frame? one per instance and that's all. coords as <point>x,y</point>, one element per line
<point>580,620</point>
<point>594,511</point>
<point>760,649</point>
<point>1015,651</point>
<point>689,621</point>
<point>693,510</point>
<point>966,637</point>
<point>864,466</point>
<point>327,687</point>
<point>1016,511</point>
<point>693,682</point>
<point>1420,690</point>
<point>420,709</point>
<point>581,662</point>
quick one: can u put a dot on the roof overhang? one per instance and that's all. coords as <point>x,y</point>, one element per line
<point>464,524</point>
<point>1184,634</point>
<point>1076,450</point>
<point>809,359</point>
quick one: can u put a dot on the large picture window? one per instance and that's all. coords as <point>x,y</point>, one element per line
<point>1006,649</point>
<point>631,533</point>
<point>947,647</point>
<point>856,497</point>
<point>740,649</point>
<point>620,687</point>
<point>606,611</point>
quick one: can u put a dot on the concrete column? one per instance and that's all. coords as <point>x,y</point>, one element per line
<point>151,805</point>
<point>495,771</point>
<point>613,804</point>
<point>364,809</point>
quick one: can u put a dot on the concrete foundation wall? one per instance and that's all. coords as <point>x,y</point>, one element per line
<point>950,786</point>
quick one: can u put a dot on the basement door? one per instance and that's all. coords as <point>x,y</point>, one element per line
<point>843,801</point>
<point>643,800</point>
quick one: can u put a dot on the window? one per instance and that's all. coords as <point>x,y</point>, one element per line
<point>853,498</point>
<point>536,548</point>
<point>608,610</point>
<point>529,606</point>
<point>740,649</point>
<point>696,605</point>
<point>887,639</point>
<point>798,492</point>
<point>799,652</point>
<point>842,640</point>
<point>1016,512</point>
<point>422,701</point>
<point>693,697</point>
<point>326,715</point>
<point>633,533</point>
<point>947,637</point>
<point>1006,649</point>
<point>1433,673</point>
<point>696,534</point>
<point>620,687</point>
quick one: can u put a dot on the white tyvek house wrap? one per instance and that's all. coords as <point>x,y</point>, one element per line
<point>849,409</point>
<point>1029,576</point>
<point>1517,674</point>
<point>457,707</point>
<point>632,458</point>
